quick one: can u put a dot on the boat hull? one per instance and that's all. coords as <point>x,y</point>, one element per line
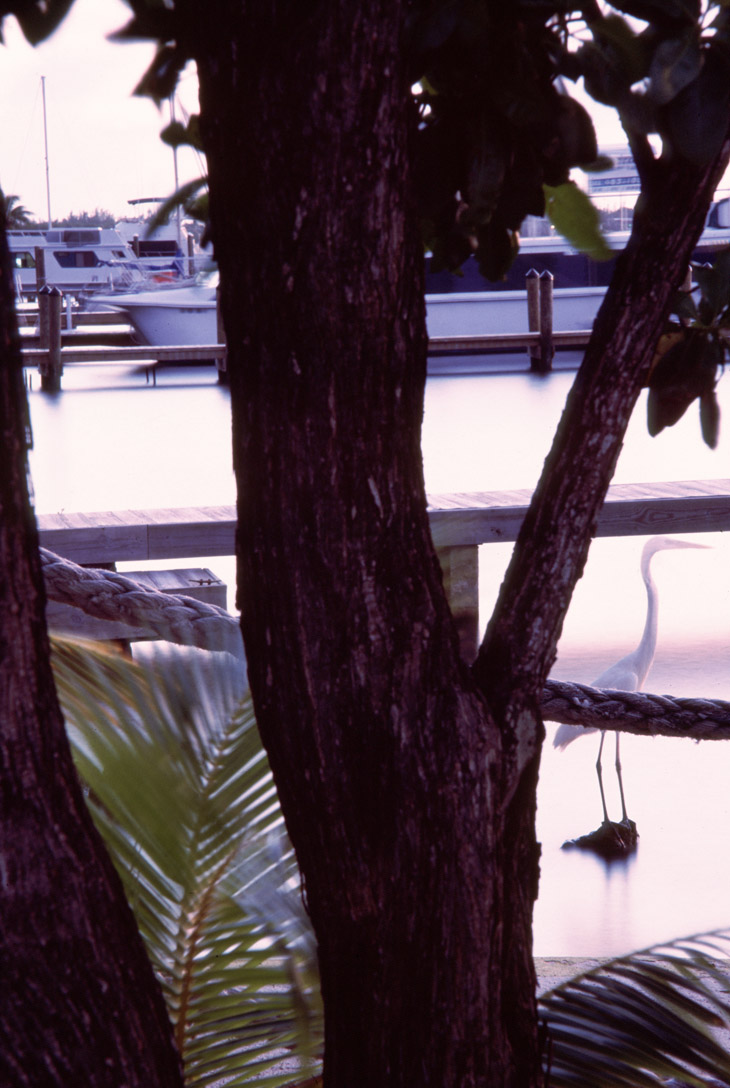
<point>185,316</point>
<point>484,313</point>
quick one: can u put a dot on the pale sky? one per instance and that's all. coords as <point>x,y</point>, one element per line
<point>103,143</point>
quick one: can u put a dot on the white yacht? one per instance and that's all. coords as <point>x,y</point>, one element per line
<point>76,259</point>
<point>170,316</point>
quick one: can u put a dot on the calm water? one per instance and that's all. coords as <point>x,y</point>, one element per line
<point>111,441</point>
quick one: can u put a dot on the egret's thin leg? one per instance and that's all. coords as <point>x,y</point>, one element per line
<point>620,779</point>
<point>599,772</point>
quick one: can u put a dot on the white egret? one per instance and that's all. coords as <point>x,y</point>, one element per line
<point>631,671</point>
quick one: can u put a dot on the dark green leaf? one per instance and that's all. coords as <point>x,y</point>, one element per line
<point>603,81</point>
<point>621,47</point>
<point>675,64</point>
<point>684,307</point>
<point>599,164</point>
<point>160,79</point>
<point>174,134</point>
<point>576,133</point>
<point>153,23</point>
<point>39,19</point>
<point>714,284</point>
<point>661,11</point>
<point>498,248</point>
<point>710,419</point>
<point>685,371</point>
<point>695,122</point>
<point>199,208</point>
<point>178,135</point>
<point>178,199</point>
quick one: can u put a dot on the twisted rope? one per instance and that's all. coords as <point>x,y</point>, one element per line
<point>107,595</point>
<point>635,712</point>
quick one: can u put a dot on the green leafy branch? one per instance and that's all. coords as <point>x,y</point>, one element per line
<point>691,354</point>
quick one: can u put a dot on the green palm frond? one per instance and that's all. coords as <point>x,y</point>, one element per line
<point>179,785</point>
<point>180,788</point>
<point>642,1018</point>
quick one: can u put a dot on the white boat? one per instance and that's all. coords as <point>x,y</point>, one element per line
<point>76,259</point>
<point>468,305</point>
<point>187,315</point>
<point>170,316</point>
<point>479,313</point>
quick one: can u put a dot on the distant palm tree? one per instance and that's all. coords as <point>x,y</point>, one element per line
<point>16,215</point>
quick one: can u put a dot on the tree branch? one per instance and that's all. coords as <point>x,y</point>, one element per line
<point>519,646</point>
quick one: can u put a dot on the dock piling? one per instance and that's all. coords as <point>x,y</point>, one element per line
<point>539,287</point>
<point>547,348</point>
<point>50,303</point>
<point>532,285</point>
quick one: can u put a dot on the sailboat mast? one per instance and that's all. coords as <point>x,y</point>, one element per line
<point>177,180</point>
<point>45,139</point>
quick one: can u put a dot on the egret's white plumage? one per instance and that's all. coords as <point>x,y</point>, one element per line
<point>630,672</point>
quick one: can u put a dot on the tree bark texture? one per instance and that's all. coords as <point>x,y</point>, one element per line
<point>385,756</point>
<point>79,1004</point>
<point>408,782</point>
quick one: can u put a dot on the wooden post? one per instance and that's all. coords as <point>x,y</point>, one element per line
<point>40,268</point>
<point>460,566</point>
<point>221,364</point>
<point>50,302</point>
<point>135,245</point>
<point>191,255</point>
<point>547,349</point>
<point>532,284</point>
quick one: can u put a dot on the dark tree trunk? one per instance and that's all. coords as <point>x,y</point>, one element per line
<point>408,782</point>
<point>386,759</point>
<point>79,1004</point>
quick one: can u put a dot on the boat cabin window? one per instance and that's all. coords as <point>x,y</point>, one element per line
<point>24,260</point>
<point>79,258</point>
<point>75,236</point>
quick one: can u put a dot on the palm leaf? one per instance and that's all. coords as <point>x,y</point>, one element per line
<point>639,1019</point>
<point>180,788</point>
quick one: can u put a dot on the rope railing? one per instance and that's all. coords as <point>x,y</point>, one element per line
<point>635,712</point>
<point>108,595</point>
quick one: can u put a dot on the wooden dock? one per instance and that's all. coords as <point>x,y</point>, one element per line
<point>459,524</point>
<point>458,520</point>
<point>58,344</point>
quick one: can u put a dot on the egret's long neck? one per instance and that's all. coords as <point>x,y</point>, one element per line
<point>647,646</point>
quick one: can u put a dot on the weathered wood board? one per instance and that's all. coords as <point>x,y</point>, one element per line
<point>457,520</point>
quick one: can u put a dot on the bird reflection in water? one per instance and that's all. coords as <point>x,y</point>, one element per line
<point>612,838</point>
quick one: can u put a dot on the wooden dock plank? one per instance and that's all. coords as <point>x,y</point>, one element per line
<point>690,506</point>
<point>96,538</point>
<point>212,528</point>
<point>456,520</point>
<point>508,341</point>
<point>101,354</point>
